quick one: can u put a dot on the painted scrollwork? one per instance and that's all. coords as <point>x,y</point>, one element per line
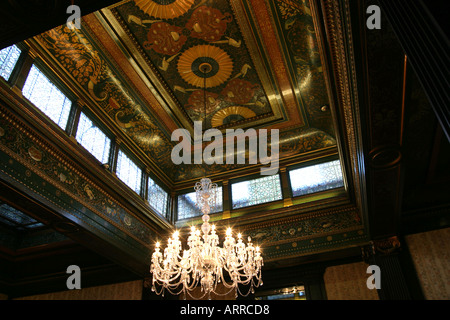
<point>75,53</point>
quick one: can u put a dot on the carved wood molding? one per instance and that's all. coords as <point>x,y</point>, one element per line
<point>342,82</point>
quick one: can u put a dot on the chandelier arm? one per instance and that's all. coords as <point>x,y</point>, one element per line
<point>174,293</point>
<point>154,288</point>
<point>193,285</point>
<point>231,285</point>
<point>195,298</point>
<point>170,273</point>
<point>166,283</point>
<point>249,290</point>
<point>159,276</point>
<point>246,265</point>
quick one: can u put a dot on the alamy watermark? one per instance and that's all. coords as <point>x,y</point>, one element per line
<point>74,20</point>
<point>374,281</point>
<point>374,20</point>
<point>228,149</point>
<point>74,280</point>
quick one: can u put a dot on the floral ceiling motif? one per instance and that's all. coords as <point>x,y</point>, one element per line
<point>182,43</point>
<point>193,43</point>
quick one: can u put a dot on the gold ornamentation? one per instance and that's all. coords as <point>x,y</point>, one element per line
<point>218,63</point>
<point>165,38</point>
<point>35,154</point>
<point>208,23</point>
<point>165,9</point>
<point>221,115</point>
<point>243,71</point>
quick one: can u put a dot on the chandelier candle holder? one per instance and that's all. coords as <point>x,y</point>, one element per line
<point>205,264</point>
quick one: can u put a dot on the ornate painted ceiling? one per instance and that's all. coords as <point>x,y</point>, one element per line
<point>265,70</point>
<point>140,63</point>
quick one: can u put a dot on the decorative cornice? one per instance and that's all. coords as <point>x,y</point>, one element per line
<point>338,28</point>
<point>40,150</point>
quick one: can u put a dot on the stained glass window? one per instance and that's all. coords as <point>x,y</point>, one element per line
<point>8,59</point>
<point>157,197</point>
<point>316,178</point>
<point>129,172</point>
<point>188,209</point>
<point>256,191</point>
<point>47,97</point>
<point>93,139</point>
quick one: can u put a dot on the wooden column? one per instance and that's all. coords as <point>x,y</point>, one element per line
<point>388,255</point>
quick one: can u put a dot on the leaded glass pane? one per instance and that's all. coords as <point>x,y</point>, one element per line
<point>188,209</point>
<point>93,139</point>
<point>316,178</point>
<point>47,97</point>
<point>8,59</point>
<point>256,191</point>
<point>129,172</point>
<point>157,197</point>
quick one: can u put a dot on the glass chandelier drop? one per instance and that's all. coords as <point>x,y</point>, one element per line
<point>205,265</point>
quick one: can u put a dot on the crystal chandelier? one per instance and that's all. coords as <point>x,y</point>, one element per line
<point>205,264</point>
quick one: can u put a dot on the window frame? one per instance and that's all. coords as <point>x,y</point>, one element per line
<point>91,116</point>
<point>250,178</point>
<point>24,53</point>
<point>310,164</point>
<point>58,83</point>
<point>164,188</point>
<point>130,155</point>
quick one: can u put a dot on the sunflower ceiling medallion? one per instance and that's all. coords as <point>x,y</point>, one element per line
<point>217,62</point>
<point>165,9</point>
<point>231,114</point>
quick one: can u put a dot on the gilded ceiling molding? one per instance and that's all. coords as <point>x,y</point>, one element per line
<point>338,27</point>
<point>216,62</point>
<point>308,233</point>
<point>231,114</point>
<point>168,9</point>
